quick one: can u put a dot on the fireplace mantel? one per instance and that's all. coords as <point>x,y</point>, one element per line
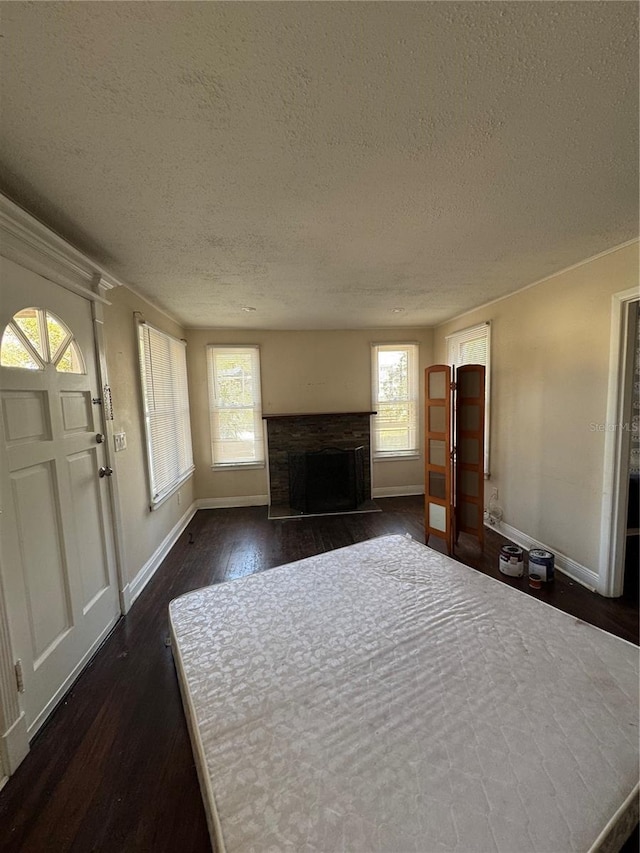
<point>313,415</point>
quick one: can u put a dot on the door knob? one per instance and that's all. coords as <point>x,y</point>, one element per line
<point>99,438</point>
<point>105,471</point>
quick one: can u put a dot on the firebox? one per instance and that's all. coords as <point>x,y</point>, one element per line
<point>327,480</point>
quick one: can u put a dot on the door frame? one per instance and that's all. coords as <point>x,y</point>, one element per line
<point>616,443</point>
<point>29,243</point>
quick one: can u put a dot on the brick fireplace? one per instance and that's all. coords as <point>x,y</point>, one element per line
<point>298,433</point>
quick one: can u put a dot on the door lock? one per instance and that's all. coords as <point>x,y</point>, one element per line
<point>105,471</point>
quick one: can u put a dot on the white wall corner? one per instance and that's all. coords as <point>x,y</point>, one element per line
<point>226,503</point>
<point>576,571</point>
<point>397,491</point>
<point>133,589</point>
<point>14,745</point>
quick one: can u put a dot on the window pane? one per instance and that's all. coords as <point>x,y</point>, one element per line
<point>13,352</point>
<point>51,340</point>
<point>71,360</point>
<point>163,371</point>
<point>58,335</point>
<point>28,321</point>
<point>235,405</point>
<point>474,351</point>
<point>393,376</point>
<point>395,399</point>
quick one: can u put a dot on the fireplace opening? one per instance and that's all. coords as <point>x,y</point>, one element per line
<point>327,480</point>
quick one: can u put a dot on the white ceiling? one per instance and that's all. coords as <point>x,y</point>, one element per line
<point>324,163</point>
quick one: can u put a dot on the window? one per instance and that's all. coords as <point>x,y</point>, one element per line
<point>235,406</point>
<point>473,346</point>
<point>35,338</point>
<point>165,396</point>
<point>396,400</point>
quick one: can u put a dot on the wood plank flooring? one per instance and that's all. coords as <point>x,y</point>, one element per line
<point>112,770</point>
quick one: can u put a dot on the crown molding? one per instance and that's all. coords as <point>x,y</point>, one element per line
<point>584,262</point>
<point>27,241</point>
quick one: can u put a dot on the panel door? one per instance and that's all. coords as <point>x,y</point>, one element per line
<point>438,494</point>
<point>57,554</point>
<point>469,485</point>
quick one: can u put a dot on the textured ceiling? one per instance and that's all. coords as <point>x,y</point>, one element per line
<point>324,163</point>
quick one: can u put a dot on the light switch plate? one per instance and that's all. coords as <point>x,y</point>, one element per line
<point>120,441</point>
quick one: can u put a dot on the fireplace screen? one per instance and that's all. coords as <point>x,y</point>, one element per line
<point>328,480</point>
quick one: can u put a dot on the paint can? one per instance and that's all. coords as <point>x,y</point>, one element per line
<point>511,561</point>
<point>541,563</point>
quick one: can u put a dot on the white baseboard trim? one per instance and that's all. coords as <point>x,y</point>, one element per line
<point>397,491</point>
<point>566,565</point>
<point>133,589</point>
<point>14,745</point>
<point>226,503</point>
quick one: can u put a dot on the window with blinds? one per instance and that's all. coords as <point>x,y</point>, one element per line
<point>396,400</point>
<point>235,406</point>
<point>165,397</point>
<point>473,346</point>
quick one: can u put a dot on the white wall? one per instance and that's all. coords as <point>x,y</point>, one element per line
<point>142,530</point>
<point>301,372</point>
<point>550,361</point>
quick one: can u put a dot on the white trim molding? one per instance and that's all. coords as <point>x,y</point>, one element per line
<point>227,503</point>
<point>568,566</point>
<point>614,499</point>
<point>27,241</point>
<point>133,589</point>
<point>14,740</point>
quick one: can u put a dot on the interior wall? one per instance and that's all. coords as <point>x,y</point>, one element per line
<point>301,372</point>
<point>549,382</point>
<point>142,530</point>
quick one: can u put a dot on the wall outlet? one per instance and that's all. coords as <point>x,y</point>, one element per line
<point>179,498</point>
<point>120,441</point>
<point>494,494</point>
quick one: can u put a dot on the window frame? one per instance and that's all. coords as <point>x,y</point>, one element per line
<point>413,366</point>
<point>160,492</point>
<point>453,342</point>
<point>259,458</point>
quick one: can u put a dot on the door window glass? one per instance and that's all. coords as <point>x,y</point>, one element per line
<point>36,337</point>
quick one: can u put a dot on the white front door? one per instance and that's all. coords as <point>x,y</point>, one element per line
<point>56,551</point>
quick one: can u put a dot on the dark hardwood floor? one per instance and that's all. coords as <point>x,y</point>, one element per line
<point>112,769</point>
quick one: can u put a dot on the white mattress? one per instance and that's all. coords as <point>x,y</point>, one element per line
<point>383,697</point>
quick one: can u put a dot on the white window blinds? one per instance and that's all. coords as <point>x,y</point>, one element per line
<point>165,395</point>
<point>396,400</point>
<point>473,346</point>
<point>235,405</point>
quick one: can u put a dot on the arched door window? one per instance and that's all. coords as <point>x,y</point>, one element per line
<point>35,338</point>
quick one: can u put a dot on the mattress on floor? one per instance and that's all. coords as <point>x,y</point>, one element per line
<point>383,697</point>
